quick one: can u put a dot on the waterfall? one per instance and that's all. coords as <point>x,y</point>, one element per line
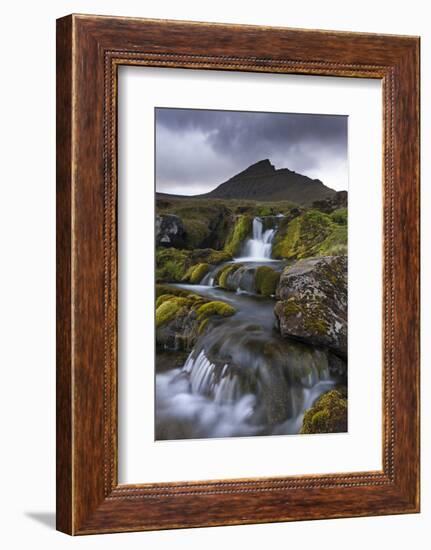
<point>223,388</point>
<point>259,246</point>
<point>259,385</point>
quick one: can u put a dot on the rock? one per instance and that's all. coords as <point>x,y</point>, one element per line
<point>327,415</point>
<point>196,273</point>
<point>239,232</point>
<point>312,302</point>
<point>311,234</point>
<point>179,331</point>
<point>266,280</point>
<point>328,205</point>
<point>175,265</point>
<point>169,231</point>
<point>259,280</point>
<point>171,264</point>
<point>181,318</point>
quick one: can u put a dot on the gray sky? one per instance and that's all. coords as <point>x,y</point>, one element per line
<point>196,150</point>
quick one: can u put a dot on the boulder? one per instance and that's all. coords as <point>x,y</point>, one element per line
<point>312,302</point>
<point>169,231</point>
<point>327,415</point>
<point>181,318</point>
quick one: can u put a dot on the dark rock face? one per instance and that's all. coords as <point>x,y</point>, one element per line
<point>169,231</point>
<point>328,205</point>
<point>312,302</point>
<point>180,333</point>
<point>262,182</point>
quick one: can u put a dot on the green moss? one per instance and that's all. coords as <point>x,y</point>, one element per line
<point>170,306</point>
<point>196,273</point>
<point>223,274</point>
<point>208,256</point>
<point>205,222</point>
<point>215,308</point>
<point>197,231</point>
<point>203,325</point>
<point>211,222</point>
<point>266,280</point>
<point>162,299</point>
<point>285,241</point>
<point>315,324</point>
<point>291,307</point>
<point>265,211</point>
<point>215,257</point>
<point>335,243</point>
<point>173,291</point>
<point>312,234</point>
<point>171,264</point>
<point>169,309</point>
<point>238,234</point>
<point>311,313</point>
<point>327,415</point>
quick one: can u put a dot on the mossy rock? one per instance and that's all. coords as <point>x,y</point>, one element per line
<point>209,256</point>
<point>327,415</point>
<point>168,309</point>
<point>312,304</point>
<point>311,234</point>
<point>171,264</point>
<point>204,222</point>
<point>266,280</point>
<point>335,243</point>
<point>209,222</point>
<point>240,231</point>
<point>173,291</point>
<point>196,273</point>
<point>203,325</point>
<point>222,275</point>
<point>190,297</point>
<point>181,319</point>
<point>196,232</point>
<point>174,265</point>
<point>215,308</point>
<point>162,299</point>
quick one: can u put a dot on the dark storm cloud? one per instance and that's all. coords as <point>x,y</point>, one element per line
<point>198,149</point>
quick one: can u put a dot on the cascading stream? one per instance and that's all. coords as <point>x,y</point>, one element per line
<point>259,246</point>
<point>255,251</point>
<point>241,378</point>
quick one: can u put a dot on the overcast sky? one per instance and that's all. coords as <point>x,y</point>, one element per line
<point>196,150</point>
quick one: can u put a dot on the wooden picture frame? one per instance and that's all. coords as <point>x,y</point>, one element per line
<point>89,51</point>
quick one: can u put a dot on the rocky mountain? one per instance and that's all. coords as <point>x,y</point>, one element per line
<point>262,182</point>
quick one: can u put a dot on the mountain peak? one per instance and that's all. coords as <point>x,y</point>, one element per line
<point>262,182</point>
<point>260,168</point>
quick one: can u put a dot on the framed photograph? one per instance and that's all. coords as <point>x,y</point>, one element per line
<point>237,274</point>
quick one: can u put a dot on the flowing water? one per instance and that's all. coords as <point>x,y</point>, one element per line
<point>256,251</point>
<point>241,378</point>
<point>259,245</point>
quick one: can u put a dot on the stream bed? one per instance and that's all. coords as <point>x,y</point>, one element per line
<point>241,377</point>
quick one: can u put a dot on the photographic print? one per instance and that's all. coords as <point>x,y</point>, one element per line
<point>251,273</point>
